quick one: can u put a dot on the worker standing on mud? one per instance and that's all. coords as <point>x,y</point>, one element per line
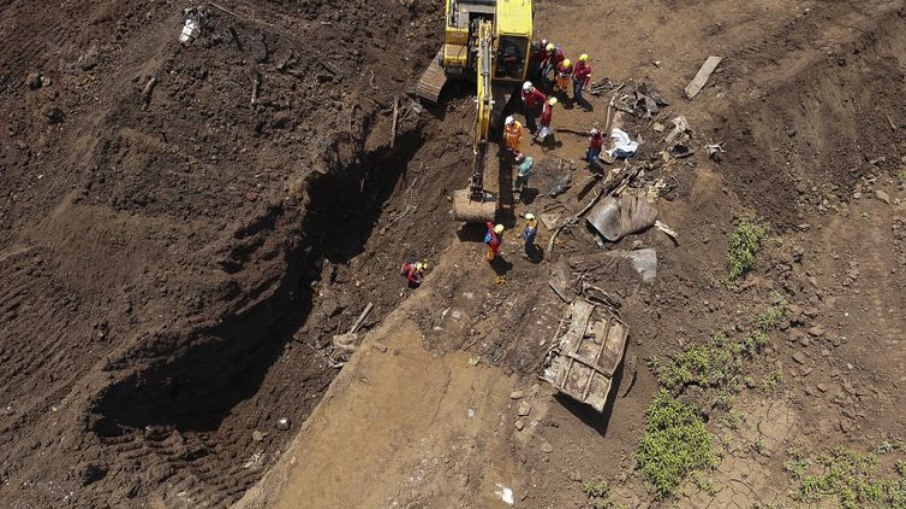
<point>512,134</point>
<point>595,145</point>
<point>532,99</point>
<point>547,113</point>
<point>414,272</point>
<point>552,59</point>
<point>493,239</point>
<point>536,59</point>
<point>528,235</point>
<point>564,75</point>
<point>581,79</point>
<point>524,165</point>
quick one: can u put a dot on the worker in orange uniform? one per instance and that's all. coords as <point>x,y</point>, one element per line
<point>581,79</point>
<point>563,76</point>
<point>512,134</point>
<point>493,239</point>
<point>547,113</point>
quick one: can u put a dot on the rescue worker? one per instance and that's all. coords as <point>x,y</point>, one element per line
<point>528,234</point>
<point>524,166</point>
<point>532,99</point>
<point>546,114</point>
<point>493,239</point>
<point>563,76</point>
<point>553,57</point>
<point>414,271</point>
<point>581,78</point>
<point>512,134</point>
<point>537,58</point>
<point>595,145</point>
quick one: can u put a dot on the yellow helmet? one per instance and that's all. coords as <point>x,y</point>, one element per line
<point>552,101</point>
<point>424,265</point>
<point>498,229</point>
<point>566,62</point>
<point>550,46</point>
<point>583,57</point>
<point>419,266</point>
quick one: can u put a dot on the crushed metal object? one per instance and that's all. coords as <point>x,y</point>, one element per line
<point>194,24</point>
<point>614,218</point>
<point>584,360</point>
<point>644,261</point>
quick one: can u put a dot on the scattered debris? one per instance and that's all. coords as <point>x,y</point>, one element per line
<point>505,494</point>
<point>194,24</point>
<point>256,86</point>
<point>893,127</point>
<point>615,218</point>
<point>396,116</point>
<point>584,360</point>
<point>283,423</point>
<point>643,102</point>
<point>624,147</point>
<point>258,436</point>
<point>681,132</point>
<point>714,151</point>
<point>147,91</point>
<point>882,196</point>
<point>563,183</point>
<point>33,80</point>
<point>701,78</point>
<point>666,229</point>
<point>644,261</point>
<point>347,342</point>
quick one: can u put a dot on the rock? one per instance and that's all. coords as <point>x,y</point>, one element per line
<point>517,395</point>
<point>821,387</point>
<point>54,115</point>
<point>546,447</point>
<point>575,477</point>
<point>45,81</point>
<point>283,423</point>
<point>881,195</point>
<point>846,425</point>
<point>816,331</point>
<point>804,341</point>
<point>33,80</point>
<point>799,357</point>
<point>258,436</point>
<point>524,409</point>
<point>381,347</point>
<point>857,195</point>
<point>519,424</point>
<point>93,473</point>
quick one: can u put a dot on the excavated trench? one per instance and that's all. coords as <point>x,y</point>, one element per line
<point>188,420</point>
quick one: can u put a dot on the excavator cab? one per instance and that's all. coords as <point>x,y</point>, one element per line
<point>487,41</point>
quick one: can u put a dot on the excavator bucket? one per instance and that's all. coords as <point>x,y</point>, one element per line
<point>432,80</point>
<point>470,210</point>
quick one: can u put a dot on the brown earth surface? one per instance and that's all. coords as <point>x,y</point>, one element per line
<point>174,265</point>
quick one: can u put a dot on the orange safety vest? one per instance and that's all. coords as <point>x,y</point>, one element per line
<point>513,135</point>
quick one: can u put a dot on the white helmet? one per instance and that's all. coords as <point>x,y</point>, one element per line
<point>509,120</point>
<point>527,86</point>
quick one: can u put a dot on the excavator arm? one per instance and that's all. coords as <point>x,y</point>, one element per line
<point>485,100</point>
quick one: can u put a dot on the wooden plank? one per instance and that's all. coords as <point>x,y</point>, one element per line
<point>701,79</point>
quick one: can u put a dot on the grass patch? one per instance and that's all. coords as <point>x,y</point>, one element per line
<point>716,364</point>
<point>675,443</point>
<point>774,312</point>
<point>598,493</point>
<point>852,478</point>
<point>745,243</point>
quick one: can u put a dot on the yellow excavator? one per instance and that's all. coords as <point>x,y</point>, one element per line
<point>487,41</point>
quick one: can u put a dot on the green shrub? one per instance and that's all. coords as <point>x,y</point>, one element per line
<point>675,443</point>
<point>745,243</point>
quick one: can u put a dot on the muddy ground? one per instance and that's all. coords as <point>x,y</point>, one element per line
<point>175,263</point>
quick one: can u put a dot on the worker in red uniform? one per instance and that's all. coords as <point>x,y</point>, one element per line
<point>493,239</point>
<point>581,79</point>
<point>564,74</point>
<point>552,58</point>
<point>532,99</point>
<point>547,113</point>
<point>536,59</point>
<point>414,271</point>
<point>595,145</point>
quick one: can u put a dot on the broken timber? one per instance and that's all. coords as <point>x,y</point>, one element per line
<point>701,79</point>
